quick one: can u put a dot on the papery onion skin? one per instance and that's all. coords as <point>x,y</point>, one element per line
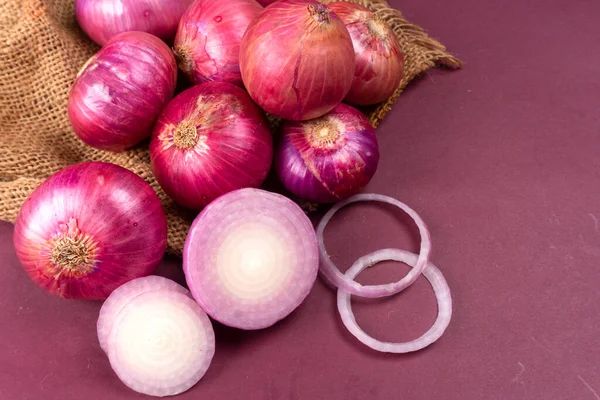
<point>327,159</point>
<point>207,44</point>
<point>250,258</point>
<point>379,58</point>
<point>101,20</point>
<point>297,59</point>
<point>211,139</point>
<point>121,90</point>
<point>88,229</point>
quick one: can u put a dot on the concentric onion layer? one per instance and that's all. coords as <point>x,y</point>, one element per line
<point>250,258</point>
<point>88,229</point>
<point>327,159</point>
<point>379,58</point>
<point>161,344</point>
<point>207,45</point>
<point>211,139</point>
<point>119,298</point>
<point>101,20</point>
<point>435,278</point>
<point>119,93</point>
<point>297,59</point>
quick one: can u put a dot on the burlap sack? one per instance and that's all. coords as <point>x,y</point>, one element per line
<point>41,51</point>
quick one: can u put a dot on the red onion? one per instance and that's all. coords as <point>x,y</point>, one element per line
<point>207,44</point>
<point>379,59</point>
<point>265,3</point>
<point>211,139</point>
<point>250,258</point>
<point>435,278</point>
<point>121,90</point>
<point>161,343</point>
<point>123,295</point>
<point>329,158</point>
<point>101,20</point>
<point>297,59</point>
<point>88,229</point>
<point>346,283</point>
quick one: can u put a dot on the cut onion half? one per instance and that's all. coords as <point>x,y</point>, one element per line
<point>346,283</point>
<point>161,343</point>
<point>435,278</point>
<point>250,258</point>
<point>123,295</point>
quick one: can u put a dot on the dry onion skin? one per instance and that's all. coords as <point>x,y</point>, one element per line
<point>161,343</point>
<point>250,258</point>
<point>435,278</point>
<point>333,274</point>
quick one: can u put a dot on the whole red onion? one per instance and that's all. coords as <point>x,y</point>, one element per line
<point>327,159</point>
<point>379,59</point>
<point>211,139</point>
<point>103,19</point>
<point>207,44</point>
<point>297,59</point>
<point>121,90</point>
<point>88,229</point>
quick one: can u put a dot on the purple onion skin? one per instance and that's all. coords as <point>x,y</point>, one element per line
<point>379,58</point>
<point>266,3</point>
<point>297,59</point>
<point>104,216</point>
<point>211,139</point>
<point>121,90</point>
<point>207,44</point>
<point>102,20</point>
<point>327,169</point>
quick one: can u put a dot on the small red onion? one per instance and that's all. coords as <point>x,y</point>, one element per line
<point>327,159</point>
<point>121,90</point>
<point>88,229</point>
<point>123,295</point>
<point>334,276</point>
<point>379,58</point>
<point>297,60</point>
<point>207,45</point>
<point>101,20</point>
<point>211,139</point>
<point>161,343</point>
<point>250,258</point>
<point>435,278</point>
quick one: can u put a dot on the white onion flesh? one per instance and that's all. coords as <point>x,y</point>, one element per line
<point>346,283</point>
<point>161,343</point>
<point>435,278</point>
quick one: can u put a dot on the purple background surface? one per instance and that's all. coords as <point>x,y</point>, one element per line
<point>501,159</point>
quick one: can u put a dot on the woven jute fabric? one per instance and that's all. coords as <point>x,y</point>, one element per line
<point>42,49</point>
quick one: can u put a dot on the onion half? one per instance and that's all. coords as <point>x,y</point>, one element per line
<point>297,59</point>
<point>379,58</point>
<point>101,20</point>
<point>435,278</point>
<point>211,139</point>
<point>207,45</point>
<point>88,229</point>
<point>344,282</point>
<point>250,258</point>
<point>327,159</point>
<point>121,90</point>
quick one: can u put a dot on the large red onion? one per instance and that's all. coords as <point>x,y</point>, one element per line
<point>250,258</point>
<point>207,44</point>
<point>88,229</point>
<point>101,20</point>
<point>379,59</point>
<point>121,90</point>
<point>327,159</point>
<point>297,60</point>
<point>211,139</point>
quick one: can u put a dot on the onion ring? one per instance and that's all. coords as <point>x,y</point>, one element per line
<point>347,284</point>
<point>435,278</point>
